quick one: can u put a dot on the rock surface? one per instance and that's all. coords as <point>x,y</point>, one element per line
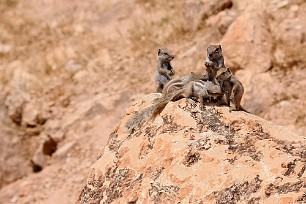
<point>248,32</point>
<point>190,156</point>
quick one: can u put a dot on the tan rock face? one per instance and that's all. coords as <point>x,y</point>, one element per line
<point>247,43</point>
<point>195,156</point>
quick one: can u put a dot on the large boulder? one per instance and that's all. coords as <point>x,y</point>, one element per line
<point>247,43</point>
<point>190,156</point>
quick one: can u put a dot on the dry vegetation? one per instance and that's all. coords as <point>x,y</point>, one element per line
<point>174,25</point>
<point>9,3</point>
<point>42,56</point>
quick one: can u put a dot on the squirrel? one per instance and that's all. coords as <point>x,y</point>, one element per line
<point>164,71</point>
<point>175,84</point>
<point>232,88</point>
<point>214,61</point>
<point>200,90</point>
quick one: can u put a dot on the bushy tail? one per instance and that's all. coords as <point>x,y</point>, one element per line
<point>151,112</point>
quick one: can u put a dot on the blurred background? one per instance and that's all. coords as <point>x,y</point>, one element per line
<point>69,70</point>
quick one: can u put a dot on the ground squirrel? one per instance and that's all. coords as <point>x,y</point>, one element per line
<point>232,88</point>
<point>198,89</point>
<point>176,84</point>
<point>201,90</point>
<point>214,61</point>
<point>164,71</point>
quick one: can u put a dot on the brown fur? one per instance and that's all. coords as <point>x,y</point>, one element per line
<point>164,71</point>
<point>176,84</point>
<point>232,87</point>
<point>201,90</point>
<point>214,61</point>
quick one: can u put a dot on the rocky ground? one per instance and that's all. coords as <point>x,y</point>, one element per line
<point>69,70</point>
<point>190,156</point>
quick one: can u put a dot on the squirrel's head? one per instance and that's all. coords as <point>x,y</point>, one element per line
<point>214,51</point>
<point>224,75</point>
<point>165,54</point>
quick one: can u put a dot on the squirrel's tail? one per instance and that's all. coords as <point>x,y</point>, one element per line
<point>151,112</point>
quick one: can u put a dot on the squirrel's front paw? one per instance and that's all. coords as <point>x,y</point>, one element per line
<point>208,64</point>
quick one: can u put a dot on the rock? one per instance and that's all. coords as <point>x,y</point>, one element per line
<point>5,49</point>
<point>187,155</point>
<point>30,114</point>
<point>280,3</point>
<point>222,20</point>
<point>62,151</point>
<point>35,113</point>
<point>43,153</point>
<point>60,55</point>
<point>73,66</point>
<point>280,56</point>
<point>247,43</point>
<point>39,160</point>
<point>214,7</point>
<point>80,76</point>
<point>279,99</point>
<point>259,99</point>
<point>290,31</point>
<point>57,136</point>
<point>104,57</point>
<point>15,104</point>
<point>195,12</point>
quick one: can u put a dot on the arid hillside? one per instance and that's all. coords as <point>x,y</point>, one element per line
<point>69,70</point>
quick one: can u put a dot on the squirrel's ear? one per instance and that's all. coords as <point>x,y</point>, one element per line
<point>228,69</point>
<point>220,47</point>
<point>158,50</point>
